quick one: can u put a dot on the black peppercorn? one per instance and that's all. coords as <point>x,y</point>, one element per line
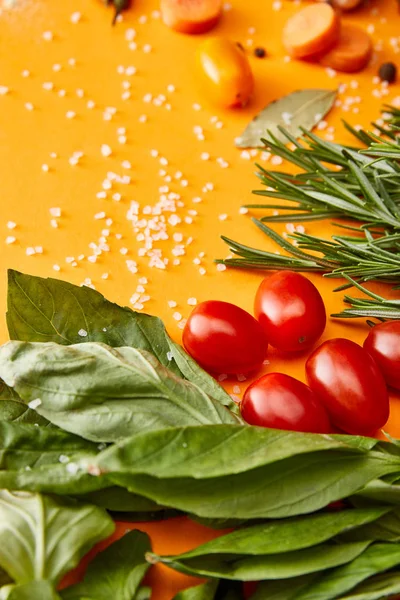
<point>387,72</point>
<point>260,52</point>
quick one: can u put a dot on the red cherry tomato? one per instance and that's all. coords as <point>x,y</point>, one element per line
<point>351,386</point>
<point>291,311</point>
<point>282,402</point>
<point>224,338</point>
<point>383,343</point>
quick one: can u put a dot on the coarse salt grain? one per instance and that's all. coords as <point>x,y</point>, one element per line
<point>55,212</point>
<point>172,303</point>
<point>45,168</point>
<point>48,85</point>
<point>192,301</point>
<point>10,239</point>
<point>4,90</point>
<point>105,150</point>
<point>75,17</point>
<point>30,251</point>
<point>11,225</point>
<point>70,114</point>
<point>82,333</point>
<point>29,106</point>
<point>56,267</point>
<point>100,215</point>
<point>221,267</point>
<point>47,36</point>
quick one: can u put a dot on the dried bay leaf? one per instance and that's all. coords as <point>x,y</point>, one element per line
<point>302,109</point>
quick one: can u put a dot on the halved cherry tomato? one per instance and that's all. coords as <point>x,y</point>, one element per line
<point>383,343</point>
<point>224,338</point>
<point>224,73</point>
<point>291,311</point>
<point>282,402</point>
<point>351,386</point>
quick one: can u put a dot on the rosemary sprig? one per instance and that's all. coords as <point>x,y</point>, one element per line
<point>339,182</point>
<point>366,258</point>
<point>372,306</point>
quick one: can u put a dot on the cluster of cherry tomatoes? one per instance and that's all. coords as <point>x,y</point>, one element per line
<point>347,383</point>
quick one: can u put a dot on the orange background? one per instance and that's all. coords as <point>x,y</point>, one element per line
<point>34,124</point>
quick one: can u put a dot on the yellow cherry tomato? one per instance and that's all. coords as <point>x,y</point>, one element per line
<point>224,73</point>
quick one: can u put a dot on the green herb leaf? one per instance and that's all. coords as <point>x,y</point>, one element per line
<point>143,593</point>
<point>117,499</point>
<point>297,111</point>
<point>45,460</point>
<point>12,408</point>
<point>291,486</point>
<point>376,588</point>
<point>271,566</point>
<point>43,537</point>
<point>212,451</point>
<point>275,537</point>
<point>205,591</point>
<point>105,394</point>
<point>282,589</point>
<point>375,559</point>
<point>51,310</point>
<point>34,589</point>
<point>116,572</point>
<point>191,371</point>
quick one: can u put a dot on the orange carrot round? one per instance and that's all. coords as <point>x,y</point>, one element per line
<point>312,30</point>
<point>191,16</point>
<point>352,52</point>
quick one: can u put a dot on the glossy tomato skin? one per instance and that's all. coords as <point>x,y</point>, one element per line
<point>383,343</point>
<point>279,401</point>
<point>224,72</point>
<point>350,384</point>
<point>224,338</point>
<point>291,311</point>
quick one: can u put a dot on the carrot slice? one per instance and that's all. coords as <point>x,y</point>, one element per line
<point>312,30</point>
<point>352,51</point>
<point>191,16</point>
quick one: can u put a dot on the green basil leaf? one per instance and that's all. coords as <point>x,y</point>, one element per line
<point>270,566</point>
<point>209,450</point>
<point>51,310</point>
<point>29,591</point>
<point>285,535</point>
<point>377,588</point>
<point>204,591</point>
<point>289,487</point>
<point>194,373</point>
<point>143,593</point>
<point>12,408</point>
<point>282,589</point>
<point>117,499</point>
<point>24,446</point>
<point>45,460</point>
<point>105,394</point>
<point>116,572</point>
<point>375,559</point>
<point>385,529</point>
<point>380,491</point>
<point>43,537</point>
